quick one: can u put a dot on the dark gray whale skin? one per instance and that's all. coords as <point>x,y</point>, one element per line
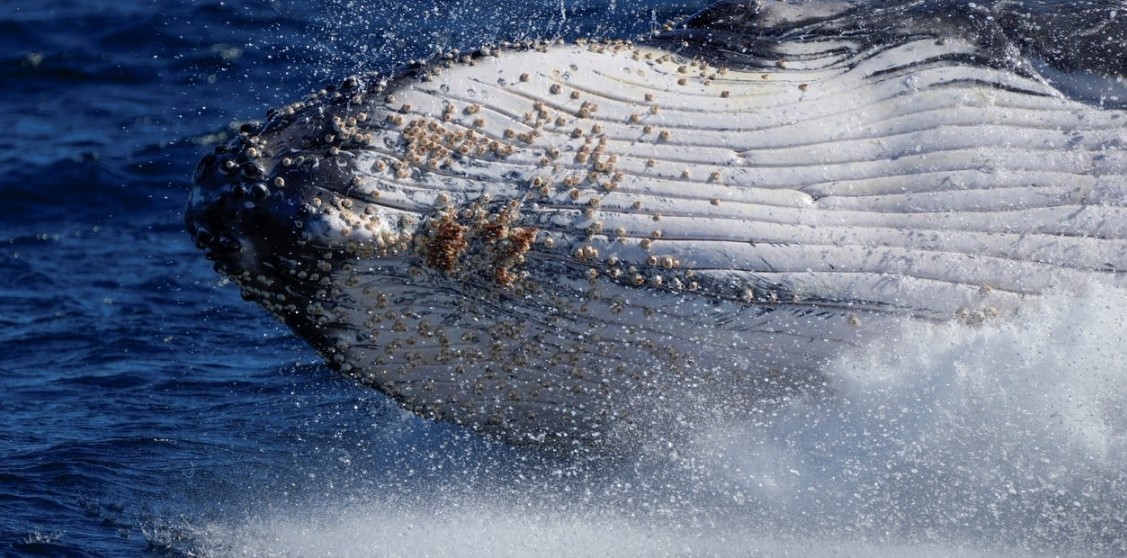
<point>555,272</point>
<point>1067,38</point>
<point>1070,36</point>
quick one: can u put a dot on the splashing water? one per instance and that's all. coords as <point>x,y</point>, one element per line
<point>1002,439</point>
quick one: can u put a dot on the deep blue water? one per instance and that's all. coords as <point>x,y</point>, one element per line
<point>150,410</point>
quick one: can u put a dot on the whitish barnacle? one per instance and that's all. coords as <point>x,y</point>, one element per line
<point>664,135</point>
<point>586,253</point>
<point>279,181</point>
<point>574,94</point>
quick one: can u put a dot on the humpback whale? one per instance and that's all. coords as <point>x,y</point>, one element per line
<point>564,242</point>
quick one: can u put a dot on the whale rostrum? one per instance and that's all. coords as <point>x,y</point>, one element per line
<point>563,242</point>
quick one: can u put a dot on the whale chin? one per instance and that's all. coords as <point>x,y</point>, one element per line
<point>566,243</point>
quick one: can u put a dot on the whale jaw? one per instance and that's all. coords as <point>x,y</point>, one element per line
<point>570,243</point>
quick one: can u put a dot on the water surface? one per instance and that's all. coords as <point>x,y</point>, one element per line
<point>149,410</point>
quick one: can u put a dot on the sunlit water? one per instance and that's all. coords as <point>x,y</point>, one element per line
<point>148,409</point>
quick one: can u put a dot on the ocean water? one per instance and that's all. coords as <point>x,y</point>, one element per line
<point>148,410</point>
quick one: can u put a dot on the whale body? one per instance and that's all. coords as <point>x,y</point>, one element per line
<point>560,243</point>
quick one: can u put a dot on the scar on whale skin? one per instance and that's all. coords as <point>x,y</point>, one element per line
<point>572,243</point>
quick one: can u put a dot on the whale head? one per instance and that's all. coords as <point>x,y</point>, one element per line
<point>566,243</point>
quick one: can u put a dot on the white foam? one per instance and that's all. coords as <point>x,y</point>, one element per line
<point>490,532</point>
<point>1003,439</point>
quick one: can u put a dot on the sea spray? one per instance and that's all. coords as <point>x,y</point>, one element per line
<point>1005,438</point>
